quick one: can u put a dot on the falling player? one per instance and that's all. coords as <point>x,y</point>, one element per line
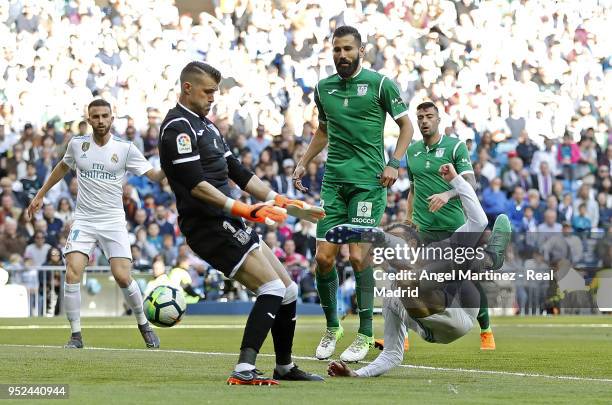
<point>101,162</point>
<point>442,313</point>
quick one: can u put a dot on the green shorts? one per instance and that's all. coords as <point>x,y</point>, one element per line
<point>351,204</point>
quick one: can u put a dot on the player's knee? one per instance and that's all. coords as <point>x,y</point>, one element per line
<point>73,274</point>
<point>357,262</point>
<point>274,287</point>
<point>123,280</point>
<point>291,294</point>
<point>325,262</point>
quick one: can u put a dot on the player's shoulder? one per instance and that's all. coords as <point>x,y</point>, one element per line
<point>329,80</point>
<point>178,120</point>
<point>416,146</point>
<point>81,138</point>
<point>451,140</point>
<point>373,75</point>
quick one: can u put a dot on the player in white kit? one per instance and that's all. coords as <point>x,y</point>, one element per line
<point>442,313</point>
<point>101,162</point>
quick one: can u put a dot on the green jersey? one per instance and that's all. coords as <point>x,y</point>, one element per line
<point>355,110</point>
<point>423,165</point>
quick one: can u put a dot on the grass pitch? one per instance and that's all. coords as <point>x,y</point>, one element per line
<point>538,360</point>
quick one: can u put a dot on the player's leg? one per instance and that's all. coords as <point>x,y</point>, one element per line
<point>326,275</point>
<point>283,329</point>
<point>116,247</point>
<point>75,265</point>
<point>121,268</point>
<point>79,244</point>
<point>366,207</point>
<point>257,275</point>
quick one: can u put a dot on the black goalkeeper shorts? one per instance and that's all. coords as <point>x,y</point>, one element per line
<point>224,242</point>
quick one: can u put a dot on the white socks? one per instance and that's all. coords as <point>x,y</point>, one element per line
<point>240,367</point>
<point>72,305</point>
<point>133,297</point>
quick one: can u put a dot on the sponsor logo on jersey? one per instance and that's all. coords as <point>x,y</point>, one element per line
<point>362,89</point>
<point>85,146</point>
<point>183,144</point>
<point>439,152</point>
<point>114,158</point>
<point>397,100</point>
<point>361,220</point>
<point>364,209</point>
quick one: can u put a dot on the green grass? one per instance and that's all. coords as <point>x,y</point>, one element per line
<point>561,346</point>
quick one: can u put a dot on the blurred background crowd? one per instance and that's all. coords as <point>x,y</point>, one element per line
<point>526,84</point>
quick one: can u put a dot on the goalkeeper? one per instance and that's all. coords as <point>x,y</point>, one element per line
<point>198,165</point>
<point>442,313</point>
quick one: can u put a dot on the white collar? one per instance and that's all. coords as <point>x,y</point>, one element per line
<point>188,110</point>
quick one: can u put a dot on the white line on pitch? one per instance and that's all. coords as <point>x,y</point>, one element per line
<point>445,369</point>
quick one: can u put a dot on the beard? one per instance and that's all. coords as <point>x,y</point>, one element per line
<point>347,71</point>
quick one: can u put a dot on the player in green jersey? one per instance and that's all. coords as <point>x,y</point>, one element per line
<point>352,106</point>
<point>434,206</point>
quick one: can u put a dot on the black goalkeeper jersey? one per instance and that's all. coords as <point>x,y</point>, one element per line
<point>191,150</point>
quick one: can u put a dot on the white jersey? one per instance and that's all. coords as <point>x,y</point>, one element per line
<point>100,173</point>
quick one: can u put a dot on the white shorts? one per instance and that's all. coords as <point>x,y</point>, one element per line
<point>446,326</point>
<point>113,240</point>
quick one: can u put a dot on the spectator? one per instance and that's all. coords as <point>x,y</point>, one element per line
<point>161,218</point>
<point>54,224</point>
<point>258,143</point>
<point>581,223</point>
<point>533,200</point>
<point>494,200</point>
<point>549,227</point>
<point>568,154</point>
<point>488,169</point>
<point>526,148</point>
<point>543,180</point>
<point>547,155</point>
<point>605,210</point>
<point>10,242</point>
<point>585,197</point>
<point>566,208</point>
<point>37,251</point>
<point>515,209</point>
<point>64,211</point>
<point>52,282</point>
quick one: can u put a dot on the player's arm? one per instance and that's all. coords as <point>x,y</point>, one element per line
<point>389,175</point>
<point>317,144</point>
<point>59,171</point>
<point>391,356</point>
<point>155,175</point>
<point>476,218</point>
<point>179,145</point>
<point>463,166</point>
<point>391,101</point>
<point>410,204</point>
<point>247,181</point>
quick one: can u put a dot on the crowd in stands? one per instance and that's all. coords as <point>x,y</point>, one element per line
<point>523,83</point>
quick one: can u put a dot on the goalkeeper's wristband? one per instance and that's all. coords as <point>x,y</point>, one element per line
<point>394,163</point>
<point>271,195</point>
<point>235,208</point>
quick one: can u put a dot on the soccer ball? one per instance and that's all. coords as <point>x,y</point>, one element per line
<point>165,306</point>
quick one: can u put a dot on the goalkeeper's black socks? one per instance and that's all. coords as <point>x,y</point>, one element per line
<point>283,331</point>
<point>259,323</point>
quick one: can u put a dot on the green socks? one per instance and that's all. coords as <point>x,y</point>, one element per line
<point>365,300</point>
<point>327,286</point>
<point>483,313</point>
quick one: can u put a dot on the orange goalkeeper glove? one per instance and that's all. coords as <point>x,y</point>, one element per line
<point>300,209</point>
<point>265,213</point>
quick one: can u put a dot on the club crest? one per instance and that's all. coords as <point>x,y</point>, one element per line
<point>85,146</point>
<point>114,158</point>
<point>362,89</point>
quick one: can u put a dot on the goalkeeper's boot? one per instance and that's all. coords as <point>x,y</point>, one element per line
<point>380,344</point>
<point>150,338</point>
<point>295,374</point>
<point>358,349</point>
<point>487,341</point>
<point>75,342</point>
<point>349,233</point>
<point>499,240</point>
<point>327,345</point>
<point>250,377</point>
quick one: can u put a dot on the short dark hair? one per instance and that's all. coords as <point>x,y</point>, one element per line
<point>426,105</point>
<point>347,30</point>
<point>99,102</point>
<point>198,68</point>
